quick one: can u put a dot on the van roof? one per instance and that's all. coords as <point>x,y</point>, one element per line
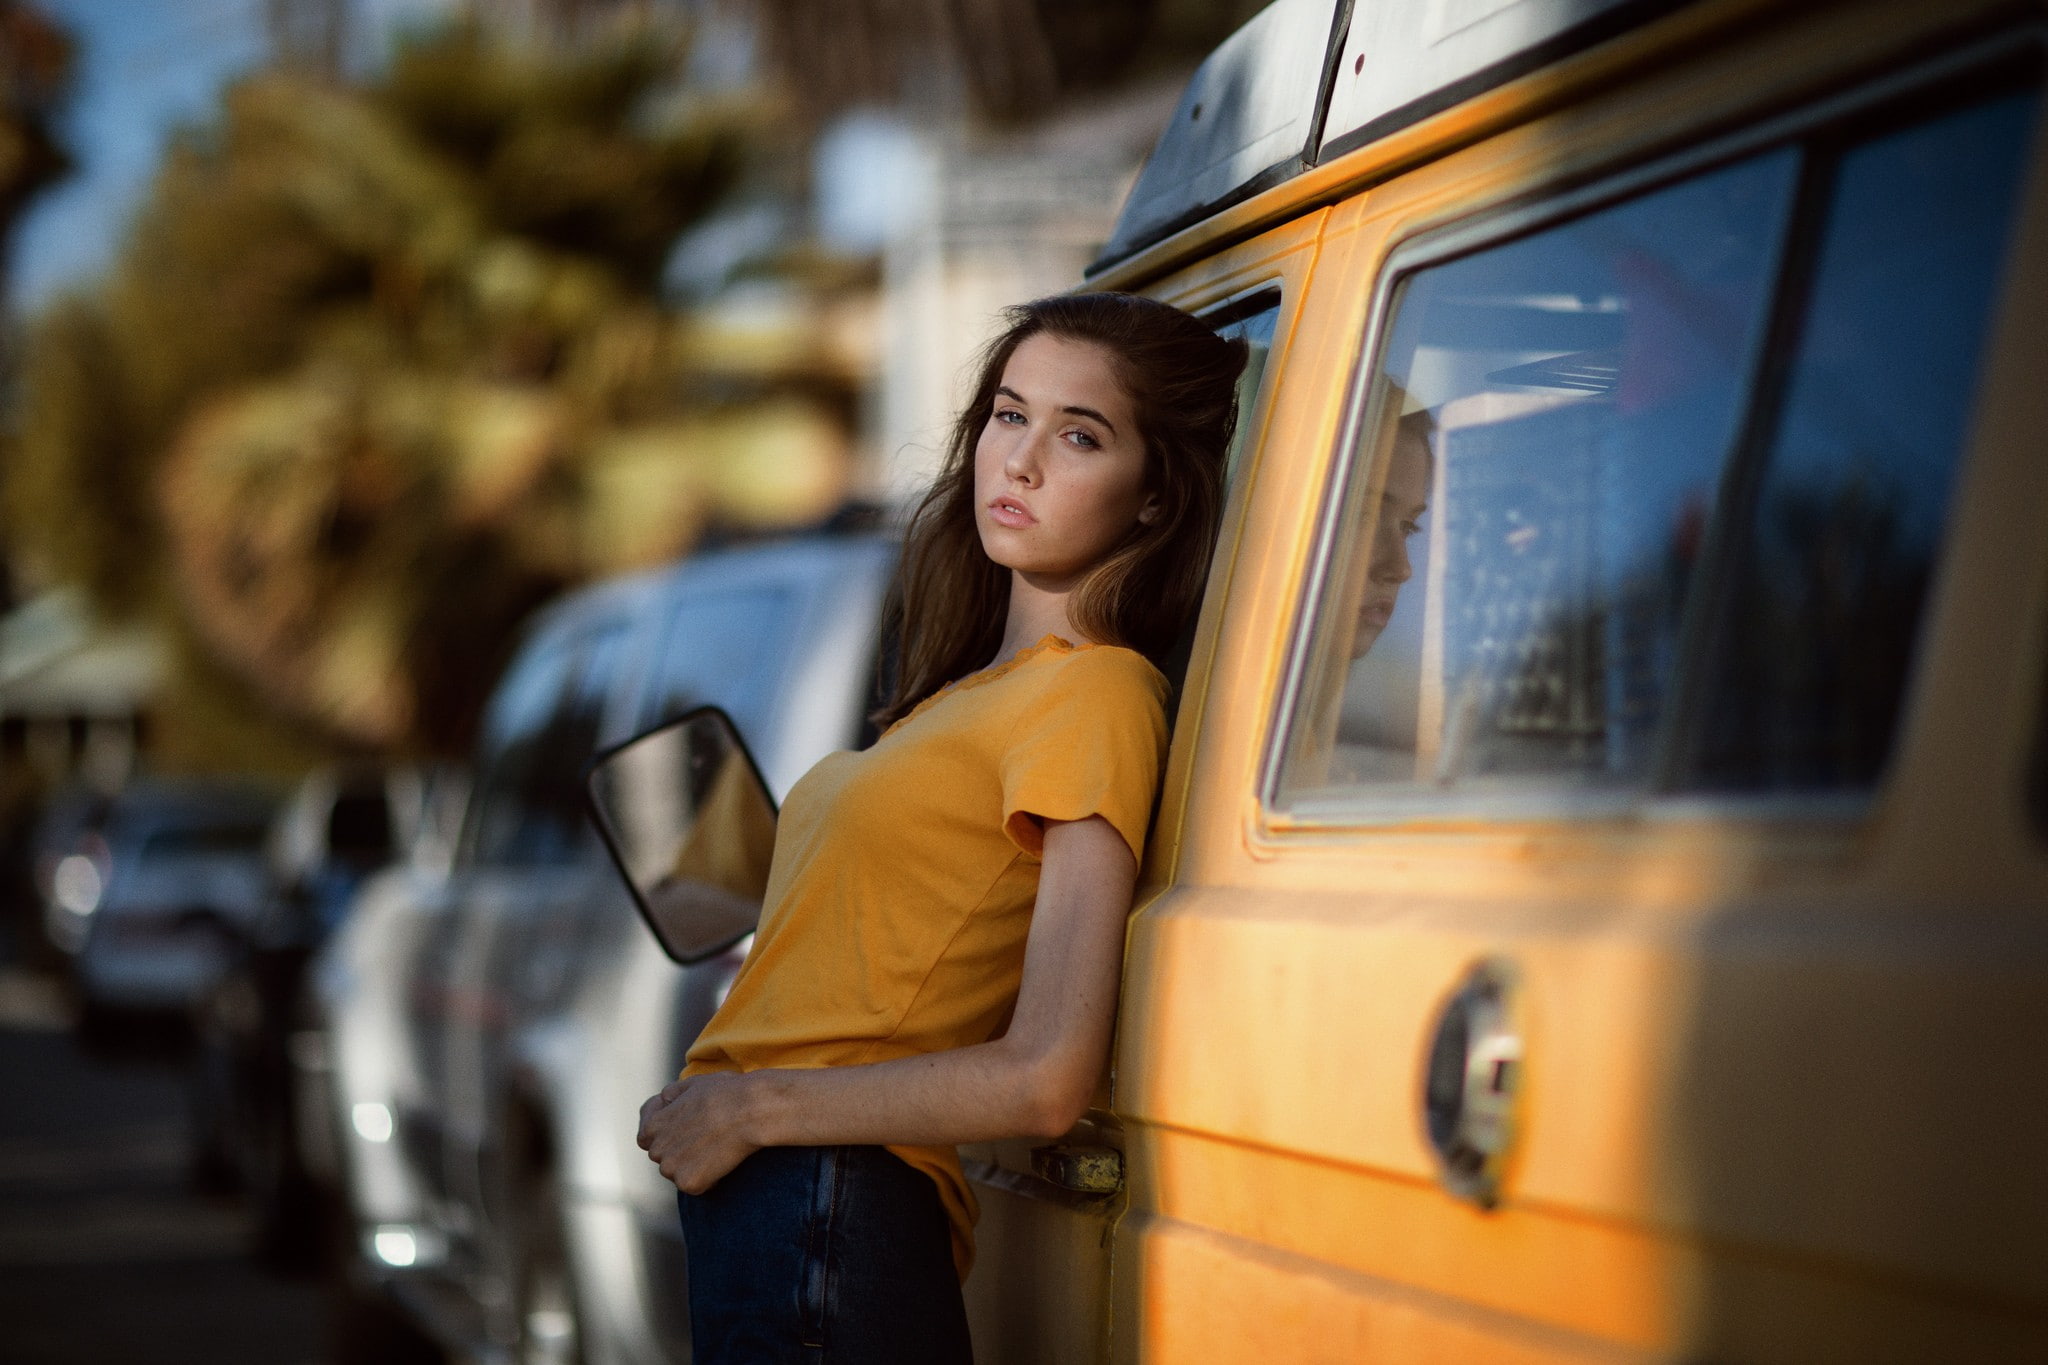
<point>1307,80</point>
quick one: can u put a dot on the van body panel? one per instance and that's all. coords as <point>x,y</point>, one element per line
<point>1778,1101</point>
<point>1284,259</point>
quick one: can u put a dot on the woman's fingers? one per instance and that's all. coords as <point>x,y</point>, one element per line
<point>688,1130</point>
<point>655,1104</point>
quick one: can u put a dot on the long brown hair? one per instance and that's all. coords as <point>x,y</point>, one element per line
<point>951,598</point>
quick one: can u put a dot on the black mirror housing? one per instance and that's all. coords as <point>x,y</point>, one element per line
<point>690,824</point>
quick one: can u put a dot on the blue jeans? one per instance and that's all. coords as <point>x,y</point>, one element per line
<point>822,1256</point>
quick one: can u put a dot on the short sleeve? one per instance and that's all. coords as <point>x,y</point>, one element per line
<point>1092,743</point>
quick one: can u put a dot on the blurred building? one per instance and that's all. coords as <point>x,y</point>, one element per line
<point>978,153</point>
<point>73,692</point>
<point>992,218</point>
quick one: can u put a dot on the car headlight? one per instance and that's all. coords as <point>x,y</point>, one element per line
<point>76,885</point>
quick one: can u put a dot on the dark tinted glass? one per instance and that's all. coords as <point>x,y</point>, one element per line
<point>1814,649</point>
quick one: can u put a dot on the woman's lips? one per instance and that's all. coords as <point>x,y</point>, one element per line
<point>1012,513</point>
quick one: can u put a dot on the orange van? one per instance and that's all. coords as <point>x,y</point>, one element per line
<point>1598,908</point>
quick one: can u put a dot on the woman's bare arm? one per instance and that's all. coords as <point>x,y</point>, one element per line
<point>1033,1081</point>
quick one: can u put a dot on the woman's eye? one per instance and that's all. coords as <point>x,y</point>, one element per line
<point>1083,439</point>
<point>1010,416</point>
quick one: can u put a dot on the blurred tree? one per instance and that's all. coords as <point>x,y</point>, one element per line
<point>35,80</point>
<point>381,368</point>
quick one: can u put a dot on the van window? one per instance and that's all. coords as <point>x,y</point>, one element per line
<point>1253,320</point>
<point>1650,498</point>
<point>1817,636</point>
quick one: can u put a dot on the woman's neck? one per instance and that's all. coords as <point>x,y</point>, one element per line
<point>1037,609</point>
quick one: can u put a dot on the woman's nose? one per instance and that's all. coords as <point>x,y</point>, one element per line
<point>1021,460</point>
<point>1390,563</point>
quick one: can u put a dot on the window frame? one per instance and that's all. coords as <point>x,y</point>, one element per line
<point>1520,213</point>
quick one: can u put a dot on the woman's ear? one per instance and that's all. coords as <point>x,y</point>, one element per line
<point>1148,512</point>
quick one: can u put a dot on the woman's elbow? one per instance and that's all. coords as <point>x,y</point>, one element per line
<point>1056,1098</point>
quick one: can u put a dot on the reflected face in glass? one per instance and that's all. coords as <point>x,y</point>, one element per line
<point>1059,470</point>
<point>1402,503</point>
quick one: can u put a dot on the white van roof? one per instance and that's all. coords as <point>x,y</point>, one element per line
<point>1306,80</point>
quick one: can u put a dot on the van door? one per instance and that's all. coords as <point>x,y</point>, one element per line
<point>1554,968</point>
<point>1039,1291</point>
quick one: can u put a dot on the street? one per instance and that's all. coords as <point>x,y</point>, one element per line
<point>107,1254</point>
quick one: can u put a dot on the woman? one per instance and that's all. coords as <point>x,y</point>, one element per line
<point>942,936</point>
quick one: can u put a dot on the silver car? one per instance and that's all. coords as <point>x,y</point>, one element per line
<point>493,1026</point>
<point>184,873</point>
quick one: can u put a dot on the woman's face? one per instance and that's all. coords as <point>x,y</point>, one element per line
<point>1059,471</point>
<point>1402,503</point>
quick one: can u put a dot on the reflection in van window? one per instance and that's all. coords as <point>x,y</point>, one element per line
<point>1817,639</point>
<point>1556,414</point>
<point>1571,426</point>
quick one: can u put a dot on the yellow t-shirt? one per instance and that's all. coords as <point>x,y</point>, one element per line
<point>904,875</point>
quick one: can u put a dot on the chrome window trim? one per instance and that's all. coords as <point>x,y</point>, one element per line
<point>1276,285</point>
<point>1521,214</point>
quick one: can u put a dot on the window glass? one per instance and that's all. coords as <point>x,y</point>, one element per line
<point>1766,368</point>
<point>1252,320</point>
<point>1816,641</point>
<point>531,806</point>
<point>723,649</point>
<point>1555,415</point>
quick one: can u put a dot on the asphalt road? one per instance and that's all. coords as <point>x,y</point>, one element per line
<point>107,1255</point>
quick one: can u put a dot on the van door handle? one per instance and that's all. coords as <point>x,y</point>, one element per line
<point>1094,1171</point>
<point>1472,1084</point>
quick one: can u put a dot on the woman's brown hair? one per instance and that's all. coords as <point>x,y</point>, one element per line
<point>1181,378</point>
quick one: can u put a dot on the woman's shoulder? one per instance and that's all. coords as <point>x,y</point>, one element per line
<point>1108,672</point>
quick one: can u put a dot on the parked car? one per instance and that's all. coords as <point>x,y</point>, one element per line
<point>493,1026</point>
<point>340,824</point>
<point>184,875</point>
<point>69,863</point>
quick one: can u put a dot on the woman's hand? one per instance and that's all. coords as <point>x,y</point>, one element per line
<point>695,1129</point>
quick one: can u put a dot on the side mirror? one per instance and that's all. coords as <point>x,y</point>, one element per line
<point>685,815</point>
